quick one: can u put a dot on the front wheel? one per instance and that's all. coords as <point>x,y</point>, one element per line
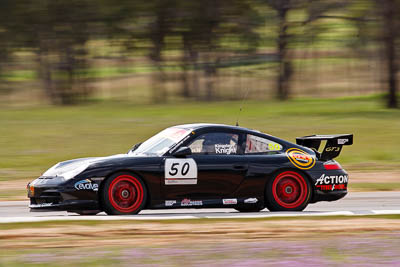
<point>123,194</point>
<point>288,191</point>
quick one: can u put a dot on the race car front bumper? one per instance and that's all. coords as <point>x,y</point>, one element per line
<point>52,197</point>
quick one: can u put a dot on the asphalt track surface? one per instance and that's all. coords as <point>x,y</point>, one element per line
<point>366,203</point>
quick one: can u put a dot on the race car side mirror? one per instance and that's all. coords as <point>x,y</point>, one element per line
<point>182,152</point>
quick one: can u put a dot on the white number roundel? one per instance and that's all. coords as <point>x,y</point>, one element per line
<point>180,171</point>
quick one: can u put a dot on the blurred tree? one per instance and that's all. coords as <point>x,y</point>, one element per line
<point>390,14</point>
<point>316,9</point>
<point>378,23</point>
<point>5,43</point>
<point>211,31</point>
<point>285,69</point>
<point>159,29</point>
<point>57,31</point>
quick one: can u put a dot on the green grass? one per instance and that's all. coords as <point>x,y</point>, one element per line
<point>33,139</point>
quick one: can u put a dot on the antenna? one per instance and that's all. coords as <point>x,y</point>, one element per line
<point>241,106</point>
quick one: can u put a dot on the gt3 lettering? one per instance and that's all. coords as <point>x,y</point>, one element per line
<point>334,149</point>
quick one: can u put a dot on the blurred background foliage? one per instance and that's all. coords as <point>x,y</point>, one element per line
<point>155,51</point>
<point>92,77</point>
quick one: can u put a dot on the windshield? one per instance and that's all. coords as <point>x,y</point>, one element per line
<point>161,142</point>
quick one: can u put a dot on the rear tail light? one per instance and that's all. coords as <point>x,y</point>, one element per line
<point>332,166</point>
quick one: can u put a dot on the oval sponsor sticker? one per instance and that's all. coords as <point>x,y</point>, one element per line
<point>300,158</point>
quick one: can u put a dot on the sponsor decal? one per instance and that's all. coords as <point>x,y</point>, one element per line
<point>251,200</point>
<point>333,148</point>
<point>187,202</point>
<point>332,182</point>
<point>229,201</point>
<point>170,203</point>
<point>225,149</point>
<point>180,172</point>
<point>86,185</point>
<point>300,158</point>
<point>342,141</point>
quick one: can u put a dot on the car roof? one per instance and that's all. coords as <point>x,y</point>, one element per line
<point>196,126</point>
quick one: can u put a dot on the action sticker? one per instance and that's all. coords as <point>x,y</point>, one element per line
<point>180,172</point>
<point>332,182</point>
<point>300,158</point>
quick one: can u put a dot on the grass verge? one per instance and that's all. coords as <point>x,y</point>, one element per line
<point>35,138</point>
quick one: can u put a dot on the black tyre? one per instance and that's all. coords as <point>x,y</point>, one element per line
<point>123,194</point>
<point>288,191</point>
<point>249,209</point>
<point>86,212</point>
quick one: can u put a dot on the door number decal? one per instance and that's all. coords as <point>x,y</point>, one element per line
<point>180,171</point>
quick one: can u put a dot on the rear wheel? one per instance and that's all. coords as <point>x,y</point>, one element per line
<point>123,194</point>
<point>288,191</point>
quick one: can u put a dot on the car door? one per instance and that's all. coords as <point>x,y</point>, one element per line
<point>221,167</point>
<point>264,155</point>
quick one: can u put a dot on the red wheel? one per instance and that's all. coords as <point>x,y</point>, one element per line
<point>288,191</point>
<point>123,194</point>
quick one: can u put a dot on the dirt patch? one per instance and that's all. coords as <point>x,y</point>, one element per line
<point>206,231</point>
<point>374,177</point>
<point>14,184</point>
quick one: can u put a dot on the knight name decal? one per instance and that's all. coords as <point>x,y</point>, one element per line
<point>225,149</point>
<point>180,172</point>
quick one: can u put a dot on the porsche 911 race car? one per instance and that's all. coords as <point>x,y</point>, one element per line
<point>199,166</point>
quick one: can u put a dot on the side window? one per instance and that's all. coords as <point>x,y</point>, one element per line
<point>215,144</point>
<point>255,144</point>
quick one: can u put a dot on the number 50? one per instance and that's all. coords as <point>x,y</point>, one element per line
<point>175,169</point>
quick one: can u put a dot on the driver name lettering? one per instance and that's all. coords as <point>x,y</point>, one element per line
<point>225,149</point>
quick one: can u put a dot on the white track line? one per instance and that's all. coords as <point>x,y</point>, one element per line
<point>188,217</point>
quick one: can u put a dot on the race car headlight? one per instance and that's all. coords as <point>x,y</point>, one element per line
<point>67,172</point>
<point>74,172</point>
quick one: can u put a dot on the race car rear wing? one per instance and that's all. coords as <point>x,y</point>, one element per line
<point>333,146</point>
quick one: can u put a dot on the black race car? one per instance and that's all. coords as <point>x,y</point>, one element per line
<point>196,166</point>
